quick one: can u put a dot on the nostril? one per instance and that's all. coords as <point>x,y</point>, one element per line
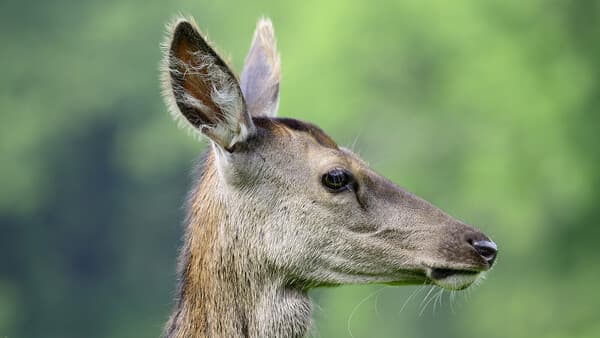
<point>486,249</point>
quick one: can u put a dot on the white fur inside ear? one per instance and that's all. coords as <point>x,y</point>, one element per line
<point>232,124</point>
<point>229,99</point>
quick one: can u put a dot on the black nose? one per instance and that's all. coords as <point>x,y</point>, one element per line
<point>486,249</point>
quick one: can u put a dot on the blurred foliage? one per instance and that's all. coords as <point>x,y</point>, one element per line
<point>489,109</point>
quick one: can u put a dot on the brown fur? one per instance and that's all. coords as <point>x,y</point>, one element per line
<point>197,281</point>
<point>220,286</point>
<point>287,125</point>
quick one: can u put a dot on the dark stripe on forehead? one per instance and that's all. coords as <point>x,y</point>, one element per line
<point>296,125</point>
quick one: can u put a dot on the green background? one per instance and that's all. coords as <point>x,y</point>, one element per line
<point>488,109</point>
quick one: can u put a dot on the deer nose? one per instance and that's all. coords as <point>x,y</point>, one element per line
<point>487,250</point>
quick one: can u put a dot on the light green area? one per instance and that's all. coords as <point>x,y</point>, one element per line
<point>489,109</point>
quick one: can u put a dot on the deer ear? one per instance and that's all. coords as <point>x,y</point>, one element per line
<point>198,85</point>
<point>262,72</point>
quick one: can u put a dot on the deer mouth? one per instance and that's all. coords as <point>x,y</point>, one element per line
<point>452,279</point>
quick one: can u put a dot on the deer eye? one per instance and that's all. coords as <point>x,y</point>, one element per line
<point>337,180</point>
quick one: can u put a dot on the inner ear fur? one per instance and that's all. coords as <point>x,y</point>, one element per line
<point>199,86</point>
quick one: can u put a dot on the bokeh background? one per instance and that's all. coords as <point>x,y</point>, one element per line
<point>489,109</point>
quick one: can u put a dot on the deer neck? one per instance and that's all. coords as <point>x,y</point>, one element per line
<point>224,291</point>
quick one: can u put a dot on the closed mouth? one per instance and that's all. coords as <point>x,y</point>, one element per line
<point>437,273</point>
<point>447,278</point>
<point>452,279</point>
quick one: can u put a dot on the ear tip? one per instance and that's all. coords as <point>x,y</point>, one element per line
<point>183,27</point>
<point>180,21</point>
<point>264,29</point>
<point>264,21</point>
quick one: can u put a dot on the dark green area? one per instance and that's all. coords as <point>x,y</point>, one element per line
<point>489,109</point>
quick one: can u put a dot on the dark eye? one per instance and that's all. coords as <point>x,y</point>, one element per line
<point>337,180</point>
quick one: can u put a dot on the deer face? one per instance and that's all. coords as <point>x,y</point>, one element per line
<point>314,213</point>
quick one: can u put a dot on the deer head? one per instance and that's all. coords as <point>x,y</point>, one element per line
<point>284,202</point>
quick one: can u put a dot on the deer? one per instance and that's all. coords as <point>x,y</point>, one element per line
<point>278,208</point>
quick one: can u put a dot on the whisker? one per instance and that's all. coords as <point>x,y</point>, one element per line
<point>414,293</point>
<point>377,313</point>
<point>427,295</point>
<point>438,299</point>
<point>452,300</point>
<point>428,301</point>
<point>468,294</point>
<point>348,324</point>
